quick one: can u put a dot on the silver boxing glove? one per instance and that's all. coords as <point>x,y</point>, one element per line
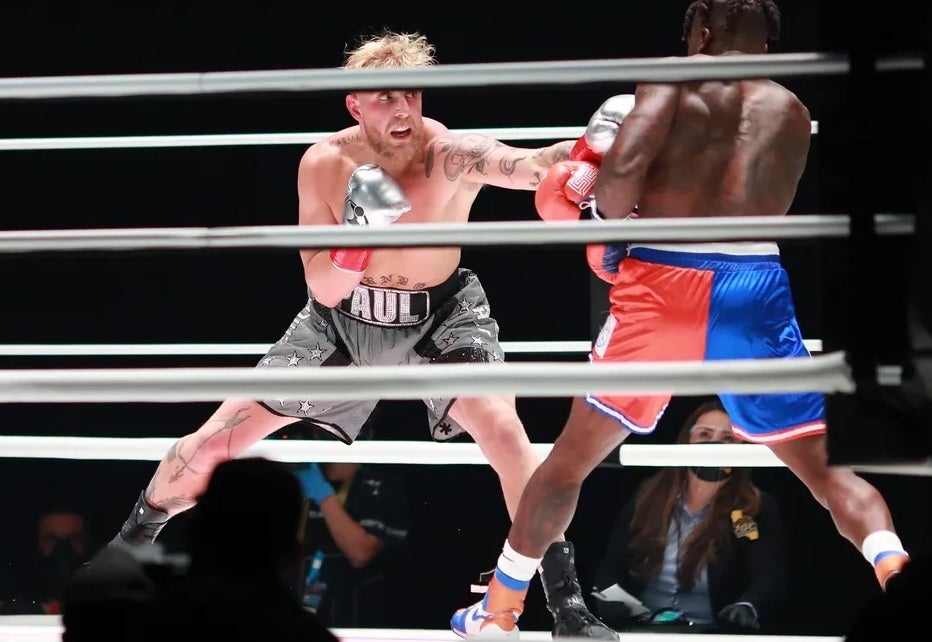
<point>604,123</point>
<point>373,198</point>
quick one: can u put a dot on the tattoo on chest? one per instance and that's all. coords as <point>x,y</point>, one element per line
<point>346,140</point>
<point>389,280</point>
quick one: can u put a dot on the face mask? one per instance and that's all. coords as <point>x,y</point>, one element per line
<point>56,568</point>
<point>711,473</point>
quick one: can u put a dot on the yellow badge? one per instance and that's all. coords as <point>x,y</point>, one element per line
<point>744,526</point>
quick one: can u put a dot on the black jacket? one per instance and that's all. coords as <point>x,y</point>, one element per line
<point>754,570</point>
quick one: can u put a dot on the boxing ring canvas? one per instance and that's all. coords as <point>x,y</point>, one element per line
<point>47,628</point>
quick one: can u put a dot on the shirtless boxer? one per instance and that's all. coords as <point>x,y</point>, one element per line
<point>712,148</point>
<point>391,306</point>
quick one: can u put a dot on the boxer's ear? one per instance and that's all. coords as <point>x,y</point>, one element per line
<point>352,106</point>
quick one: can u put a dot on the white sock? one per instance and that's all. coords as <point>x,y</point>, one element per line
<point>879,544</point>
<point>517,566</point>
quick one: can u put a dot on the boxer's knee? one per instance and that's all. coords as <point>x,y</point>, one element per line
<point>845,493</point>
<point>494,424</point>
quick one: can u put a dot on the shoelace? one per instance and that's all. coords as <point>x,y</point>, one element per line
<point>581,616</point>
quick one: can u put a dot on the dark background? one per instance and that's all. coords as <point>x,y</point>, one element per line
<point>459,521</point>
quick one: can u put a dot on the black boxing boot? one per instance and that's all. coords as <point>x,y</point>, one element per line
<point>571,617</point>
<point>142,526</point>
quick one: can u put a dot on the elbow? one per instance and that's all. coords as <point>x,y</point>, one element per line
<point>361,559</point>
<point>322,296</point>
<point>324,288</point>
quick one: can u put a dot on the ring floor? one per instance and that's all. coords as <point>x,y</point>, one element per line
<point>47,628</point>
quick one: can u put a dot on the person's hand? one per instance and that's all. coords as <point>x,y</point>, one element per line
<point>314,485</point>
<point>741,614</point>
<point>373,199</point>
<point>565,186</point>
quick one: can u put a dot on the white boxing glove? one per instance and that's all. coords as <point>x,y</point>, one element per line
<point>373,198</point>
<point>604,123</point>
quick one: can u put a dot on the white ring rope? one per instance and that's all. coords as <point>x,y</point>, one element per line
<point>405,452</point>
<point>726,228</point>
<point>254,349</point>
<point>222,140</point>
<point>822,373</point>
<point>672,69</point>
<point>48,628</point>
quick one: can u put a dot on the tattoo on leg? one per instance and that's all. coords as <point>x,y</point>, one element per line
<point>182,465</point>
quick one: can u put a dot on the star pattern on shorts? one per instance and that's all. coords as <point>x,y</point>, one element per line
<point>444,427</point>
<point>465,306</point>
<point>294,359</point>
<point>305,407</point>
<point>267,361</point>
<point>448,340</point>
<point>496,356</point>
<point>316,353</point>
<point>282,402</point>
<point>477,341</point>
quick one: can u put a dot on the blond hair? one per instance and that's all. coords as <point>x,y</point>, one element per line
<point>391,50</point>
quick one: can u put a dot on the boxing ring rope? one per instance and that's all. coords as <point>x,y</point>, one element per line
<point>567,72</point>
<point>403,452</point>
<point>252,349</point>
<point>826,373</point>
<point>47,628</point>
<point>255,349</point>
<point>293,138</point>
<point>724,228</point>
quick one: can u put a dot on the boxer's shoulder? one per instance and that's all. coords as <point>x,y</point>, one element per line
<point>336,154</point>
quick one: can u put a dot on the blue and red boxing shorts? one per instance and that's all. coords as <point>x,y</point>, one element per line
<point>707,301</point>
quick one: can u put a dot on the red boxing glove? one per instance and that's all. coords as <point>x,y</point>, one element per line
<point>582,152</point>
<point>595,255</point>
<point>563,188</point>
<point>351,259</point>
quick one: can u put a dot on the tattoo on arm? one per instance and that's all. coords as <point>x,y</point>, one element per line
<point>463,155</point>
<point>429,160</point>
<point>506,164</point>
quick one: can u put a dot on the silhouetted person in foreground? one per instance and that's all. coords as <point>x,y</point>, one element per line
<point>107,600</point>
<point>245,540</point>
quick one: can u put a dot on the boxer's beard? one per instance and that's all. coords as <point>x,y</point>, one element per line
<point>383,145</point>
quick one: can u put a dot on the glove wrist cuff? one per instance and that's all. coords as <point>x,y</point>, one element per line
<point>351,260</point>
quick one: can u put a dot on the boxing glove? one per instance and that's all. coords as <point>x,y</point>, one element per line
<point>374,199</point>
<point>604,259</point>
<point>602,129</point>
<point>563,190</point>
